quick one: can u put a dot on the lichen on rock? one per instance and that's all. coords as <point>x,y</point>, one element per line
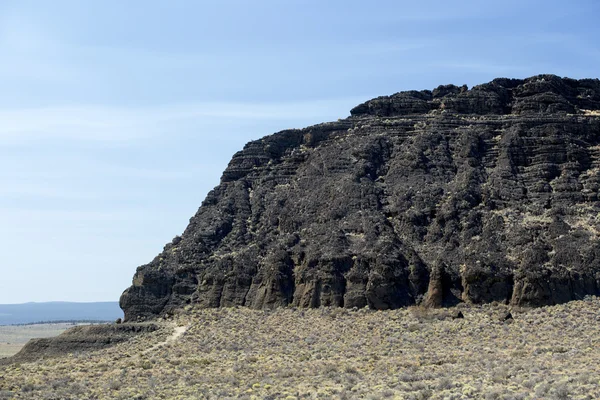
<point>479,195</point>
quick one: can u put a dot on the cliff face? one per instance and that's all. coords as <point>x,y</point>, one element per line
<point>422,197</point>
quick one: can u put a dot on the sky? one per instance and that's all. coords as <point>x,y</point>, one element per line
<point>117,117</point>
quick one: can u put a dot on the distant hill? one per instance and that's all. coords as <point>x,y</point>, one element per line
<point>12,314</point>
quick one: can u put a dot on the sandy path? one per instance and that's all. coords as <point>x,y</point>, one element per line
<point>177,332</point>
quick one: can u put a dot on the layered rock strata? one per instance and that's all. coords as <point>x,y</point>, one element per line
<point>423,197</point>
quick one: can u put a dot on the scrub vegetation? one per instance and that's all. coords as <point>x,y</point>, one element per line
<point>14,337</point>
<point>334,353</point>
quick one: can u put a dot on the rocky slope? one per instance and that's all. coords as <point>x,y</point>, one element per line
<point>423,197</point>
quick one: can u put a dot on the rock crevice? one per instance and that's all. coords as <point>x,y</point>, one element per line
<point>423,197</point>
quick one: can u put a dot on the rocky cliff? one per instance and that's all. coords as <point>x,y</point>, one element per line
<point>423,197</point>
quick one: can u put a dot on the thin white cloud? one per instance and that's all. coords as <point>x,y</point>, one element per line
<point>441,11</point>
<point>20,33</point>
<point>41,190</point>
<point>480,67</point>
<point>181,173</point>
<point>30,51</point>
<point>100,123</point>
<point>21,216</point>
<point>381,48</point>
<point>571,43</point>
<point>15,174</point>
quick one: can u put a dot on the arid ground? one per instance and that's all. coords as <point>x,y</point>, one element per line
<point>13,337</point>
<point>543,353</point>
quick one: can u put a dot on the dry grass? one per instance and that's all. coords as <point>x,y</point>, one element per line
<point>545,353</point>
<point>594,113</point>
<point>14,337</point>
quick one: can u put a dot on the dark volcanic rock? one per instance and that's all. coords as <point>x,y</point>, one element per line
<point>423,197</point>
<point>457,315</point>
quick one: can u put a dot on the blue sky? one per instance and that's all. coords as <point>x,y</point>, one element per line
<point>117,117</point>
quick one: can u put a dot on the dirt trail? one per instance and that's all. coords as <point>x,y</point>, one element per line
<point>177,332</point>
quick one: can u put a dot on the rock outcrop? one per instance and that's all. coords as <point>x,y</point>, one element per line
<point>423,197</point>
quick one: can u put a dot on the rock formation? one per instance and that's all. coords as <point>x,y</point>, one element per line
<point>422,197</point>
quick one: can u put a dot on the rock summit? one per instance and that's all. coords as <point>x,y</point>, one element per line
<point>431,197</point>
